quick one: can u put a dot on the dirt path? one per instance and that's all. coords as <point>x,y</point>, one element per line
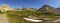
<point>3,19</point>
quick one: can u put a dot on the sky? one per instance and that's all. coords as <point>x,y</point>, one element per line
<point>30,3</point>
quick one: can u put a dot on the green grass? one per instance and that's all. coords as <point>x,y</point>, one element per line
<point>17,16</point>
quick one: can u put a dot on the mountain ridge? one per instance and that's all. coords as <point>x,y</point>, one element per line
<point>47,8</point>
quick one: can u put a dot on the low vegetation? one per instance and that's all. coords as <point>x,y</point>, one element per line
<point>17,16</point>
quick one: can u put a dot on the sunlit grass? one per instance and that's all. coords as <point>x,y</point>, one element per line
<point>17,16</point>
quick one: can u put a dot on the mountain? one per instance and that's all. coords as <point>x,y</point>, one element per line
<point>25,8</point>
<point>29,8</point>
<point>47,8</point>
<point>5,7</point>
<point>58,8</point>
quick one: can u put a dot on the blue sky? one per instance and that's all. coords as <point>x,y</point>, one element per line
<point>30,3</point>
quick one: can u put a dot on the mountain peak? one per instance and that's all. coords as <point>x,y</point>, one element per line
<point>48,6</point>
<point>5,6</point>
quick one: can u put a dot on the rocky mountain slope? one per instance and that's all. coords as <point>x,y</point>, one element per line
<point>47,8</point>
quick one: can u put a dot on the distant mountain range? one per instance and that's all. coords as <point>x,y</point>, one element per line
<point>58,8</point>
<point>44,8</point>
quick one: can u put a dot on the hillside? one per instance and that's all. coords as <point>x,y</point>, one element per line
<point>17,16</point>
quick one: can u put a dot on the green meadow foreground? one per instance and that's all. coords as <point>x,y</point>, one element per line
<point>17,16</point>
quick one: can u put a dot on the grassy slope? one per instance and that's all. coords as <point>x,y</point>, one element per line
<point>17,16</point>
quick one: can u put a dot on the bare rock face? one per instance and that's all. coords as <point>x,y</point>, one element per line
<point>3,19</point>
